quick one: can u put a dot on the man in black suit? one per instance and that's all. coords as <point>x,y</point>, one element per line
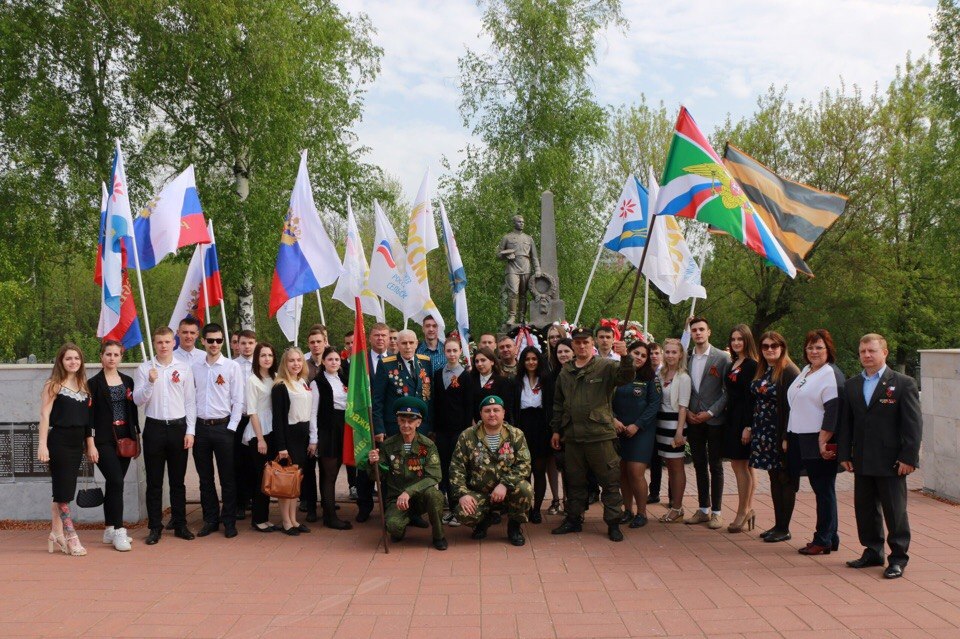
<point>879,441</point>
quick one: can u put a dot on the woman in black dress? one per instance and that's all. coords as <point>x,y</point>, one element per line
<point>531,418</point>
<point>489,380</point>
<point>453,407</point>
<point>329,390</point>
<point>64,433</point>
<point>739,421</point>
<point>113,416</point>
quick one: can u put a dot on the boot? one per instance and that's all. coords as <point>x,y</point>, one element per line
<point>515,533</point>
<point>512,308</point>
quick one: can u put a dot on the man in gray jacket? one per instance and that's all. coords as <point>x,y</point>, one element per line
<point>708,366</point>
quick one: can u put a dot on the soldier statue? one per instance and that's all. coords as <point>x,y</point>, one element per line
<point>519,252</point>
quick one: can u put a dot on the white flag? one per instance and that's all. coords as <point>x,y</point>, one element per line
<point>627,229</point>
<point>458,280</point>
<point>353,282</point>
<point>421,239</point>
<point>388,261</point>
<point>669,265</point>
<point>288,317</point>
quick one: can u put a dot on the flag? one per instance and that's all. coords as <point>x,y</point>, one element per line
<point>421,239</point>
<point>307,259</point>
<point>669,265</point>
<point>388,261</point>
<point>696,185</point>
<point>627,231</point>
<point>353,282</point>
<point>796,214</point>
<point>117,227</point>
<point>171,220</point>
<point>122,325</point>
<point>203,273</point>
<point>458,280</point>
<point>98,266</point>
<point>358,433</point>
<point>288,317</point>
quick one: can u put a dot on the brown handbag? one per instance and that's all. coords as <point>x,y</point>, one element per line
<point>282,482</point>
<point>126,446</point>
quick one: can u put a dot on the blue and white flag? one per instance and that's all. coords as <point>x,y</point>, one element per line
<point>458,280</point>
<point>627,231</point>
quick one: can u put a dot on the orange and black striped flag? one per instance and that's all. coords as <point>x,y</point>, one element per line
<point>797,214</point>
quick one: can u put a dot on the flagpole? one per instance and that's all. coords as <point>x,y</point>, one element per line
<point>643,258</point>
<point>586,288</point>
<point>298,308</point>
<point>646,305</point>
<point>143,299</point>
<point>703,257</point>
<point>323,320</point>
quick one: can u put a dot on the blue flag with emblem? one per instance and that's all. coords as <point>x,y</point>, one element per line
<point>627,230</point>
<point>458,280</point>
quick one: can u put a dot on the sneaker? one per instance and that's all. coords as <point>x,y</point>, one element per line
<point>716,521</point>
<point>120,540</point>
<point>554,507</point>
<point>110,532</point>
<point>353,493</point>
<point>451,520</point>
<point>698,517</point>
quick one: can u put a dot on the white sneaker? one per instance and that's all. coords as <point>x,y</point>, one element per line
<point>451,520</point>
<point>108,534</point>
<point>120,540</point>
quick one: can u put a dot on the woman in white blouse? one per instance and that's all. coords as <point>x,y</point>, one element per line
<point>814,412</point>
<point>291,403</point>
<point>329,391</point>
<point>260,428</point>
<point>672,422</point>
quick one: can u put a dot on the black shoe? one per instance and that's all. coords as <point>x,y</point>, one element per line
<point>418,522</point>
<point>396,538</point>
<point>207,529</point>
<point>241,514</point>
<point>183,533</point>
<point>311,516</point>
<point>593,498</point>
<point>866,560</point>
<point>567,526</point>
<point>337,523</point>
<point>229,531</point>
<point>535,517</point>
<point>293,531</point>
<point>767,533</point>
<point>836,545</point>
<point>363,515</point>
<point>515,533</point>
<point>495,519</point>
<point>614,532</point>
<point>480,530</point>
<point>777,536</point>
<point>653,499</point>
<point>153,536</point>
<point>170,525</point>
<point>626,517</point>
<point>440,544</point>
<point>303,528</point>
<point>302,507</point>
<point>893,571</point>
<point>639,521</point>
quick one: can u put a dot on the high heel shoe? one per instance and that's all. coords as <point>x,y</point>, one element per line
<point>74,547</point>
<point>737,524</point>
<point>748,521</point>
<point>751,519</point>
<point>672,515</point>
<point>55,543</point>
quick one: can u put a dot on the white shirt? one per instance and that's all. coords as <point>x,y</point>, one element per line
<point>484,379</point>
<point>807,395</point>
<point>339,392</point>
<point>172,396</point>
<point>259,403</point>
<point>529,399</point>
<point>611,356</point>
<point>219,390</point>
<point>698,363</point>
<point>196,356</point>
<point>246,368</point>
<point>676,394</point>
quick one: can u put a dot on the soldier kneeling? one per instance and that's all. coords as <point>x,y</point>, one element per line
<point>412,474</point>
<point>489,471</point>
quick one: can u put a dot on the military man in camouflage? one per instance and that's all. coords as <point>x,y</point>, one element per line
<point>411,474</point>
<point>489,471</point>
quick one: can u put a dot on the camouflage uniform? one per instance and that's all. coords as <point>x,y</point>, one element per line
<point>476,471</point>
<point>417,473</point>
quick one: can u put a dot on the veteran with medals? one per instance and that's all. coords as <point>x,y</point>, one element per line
<point>411,466</point>
<point>489,471</point>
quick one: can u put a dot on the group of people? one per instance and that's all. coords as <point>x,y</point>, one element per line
<point>472,439</point>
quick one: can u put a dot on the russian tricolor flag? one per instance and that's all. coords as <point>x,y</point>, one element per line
<point>202,288</point>
<point>307,259</point>
<point>171,220</point>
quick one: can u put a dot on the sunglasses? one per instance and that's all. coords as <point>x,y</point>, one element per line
<point>213,340</point>
<point>770,347</point>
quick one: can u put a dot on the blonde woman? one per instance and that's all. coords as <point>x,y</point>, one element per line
<point>293,437</point>
<point>672,422</point>
<point>65,432</point>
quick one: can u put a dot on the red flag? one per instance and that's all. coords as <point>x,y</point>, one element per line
<point>357,429</point>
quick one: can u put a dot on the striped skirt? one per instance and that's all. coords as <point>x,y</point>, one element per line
<point>666,431</point>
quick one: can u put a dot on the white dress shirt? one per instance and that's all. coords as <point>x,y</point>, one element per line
<point>219,390</point>
<point>259,403</point>
<point>172,396</point>
<point>375,361</point>
<point>246,368</point>
<point>528,398</point>
<point>339,391</point>
<point>303,405</point>
<point>196,356</point>
<point>698,363</point>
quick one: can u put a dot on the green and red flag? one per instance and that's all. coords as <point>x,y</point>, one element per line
<point>358,432</point>
<point>696,185</point>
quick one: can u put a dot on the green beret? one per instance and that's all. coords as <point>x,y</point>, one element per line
<point>412,406</point>
<point>490,400</point>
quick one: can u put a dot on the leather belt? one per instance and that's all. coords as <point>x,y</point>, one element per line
<point>180,421</point>
<point>221,421</point>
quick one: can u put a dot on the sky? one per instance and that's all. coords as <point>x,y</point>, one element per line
<point>715,57</point>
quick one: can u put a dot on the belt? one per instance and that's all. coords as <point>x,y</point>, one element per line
<point>220,421</point>
<point>120,422</point>
<point>180,421</point>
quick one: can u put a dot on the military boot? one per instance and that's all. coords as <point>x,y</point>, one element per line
<point>515,533</point>
<point>480,530</point>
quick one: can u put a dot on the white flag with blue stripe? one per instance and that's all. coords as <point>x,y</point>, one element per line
<point>627,231</point>
<point>458,280</point>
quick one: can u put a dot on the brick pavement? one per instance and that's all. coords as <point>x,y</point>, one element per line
<point>664,580</point>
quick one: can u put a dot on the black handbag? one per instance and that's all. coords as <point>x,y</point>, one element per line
<point>90,497</point>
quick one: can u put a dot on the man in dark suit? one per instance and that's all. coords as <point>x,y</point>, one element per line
<point>879,441</point>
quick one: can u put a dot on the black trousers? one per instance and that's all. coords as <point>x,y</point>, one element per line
<point>310,485</point>
<point>216,441</point>
<point>877,500</point>
<point>706,447</point>
<point>261,502</point>
<point>243,472</point>
<point>446,442</point>
<point>163,450</point>
<point>113,469</point>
